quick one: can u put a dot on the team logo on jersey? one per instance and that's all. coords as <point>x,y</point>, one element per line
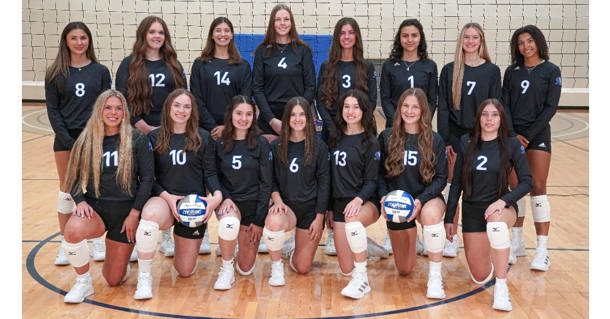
<point>558,81</point>
<point>270,155</point>
<point>522,149</point>
<point>396,64</point>
<point>150,148</point>
<point>377,156</point>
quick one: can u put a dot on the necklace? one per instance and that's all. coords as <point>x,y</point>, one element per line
<point>529,69</point>
<point>409,65</point>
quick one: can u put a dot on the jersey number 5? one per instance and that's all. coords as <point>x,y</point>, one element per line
<point>236,163</point>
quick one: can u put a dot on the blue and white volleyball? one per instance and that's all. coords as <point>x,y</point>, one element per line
<point>398,206</point>
<point>192,210</point>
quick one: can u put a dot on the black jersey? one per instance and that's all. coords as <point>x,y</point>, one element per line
<point>355,166</point>
<point>300,183</point>
<point>280,76</point>
<point>410,179</point>
<point>141,178</point>
<point>480,83</point>
<point>531,97</point>
<point>69,103</point>
<point>396,77</point>
<point>161,82</point>
<point>214,84</point>
<point>246,174</point>
<point>346,78</point>
<point>485,171</point>
<point>181,172</point>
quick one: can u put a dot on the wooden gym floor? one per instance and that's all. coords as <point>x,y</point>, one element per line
<point>562,292</point>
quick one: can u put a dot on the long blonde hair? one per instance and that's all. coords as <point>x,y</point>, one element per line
<point>394,163</point>
<point>86,156</point>
<point>458,64</point>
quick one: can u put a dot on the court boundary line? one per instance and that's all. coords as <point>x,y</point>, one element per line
<point>33,272</point>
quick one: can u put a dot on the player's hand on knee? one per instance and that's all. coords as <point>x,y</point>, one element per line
<point>278,208</point>
<point>352,209</point>
<point>84,210</point>
<point>522,140</point>
<point>227,207</point>
<point>329,219</point>
<point>495,208</point>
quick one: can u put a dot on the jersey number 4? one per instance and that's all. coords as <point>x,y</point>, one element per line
<point>282,64</point>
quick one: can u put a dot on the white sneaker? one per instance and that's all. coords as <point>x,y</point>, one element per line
<point>419,247</point>
<point>541,260</point>
<point>358,286</point>
<point>518,245</point>
<point>134,255</point>
<point>502,298</point>
<point>277,274</point>
<point>387,244</point>
<point>205,249</point>
<point>374,250</point>
<point>288,247</point>
<point>61,259</point>
<point>512,259</point>
<point>262,248</point>
<point>99,251</point>
<point>226,278</point>
<point>144,287</point>
<point>435,286</point>
<point>330,244</point>
<point>82,289</point>
<point>167,244</point>
<point>452,247</point>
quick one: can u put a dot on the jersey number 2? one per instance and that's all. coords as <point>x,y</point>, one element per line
<point>483,161</point>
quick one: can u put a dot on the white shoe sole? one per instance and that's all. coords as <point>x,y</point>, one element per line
<point>142,297</point>
<point>66,300</point>
<point>277,284</point>
<point>225,287</point>
<point>61,262</point>
<point>502,307</point>
<point>540,267</point>
<point>357,296</point>
<point>435,296</point>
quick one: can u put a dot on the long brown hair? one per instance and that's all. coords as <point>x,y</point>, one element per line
<point>193,140</point>
<point>285,132</point>
<point>458,64</point>
<point>474,146</point>
<point>207,53</point>
<point>269,39</point>
<point>329,78</point>
<point>227,134</point>
<point>60,69</point>
<point>138,87</point>
<point>394,163</point>
<point>86,157</point>
<point>368,119</point>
